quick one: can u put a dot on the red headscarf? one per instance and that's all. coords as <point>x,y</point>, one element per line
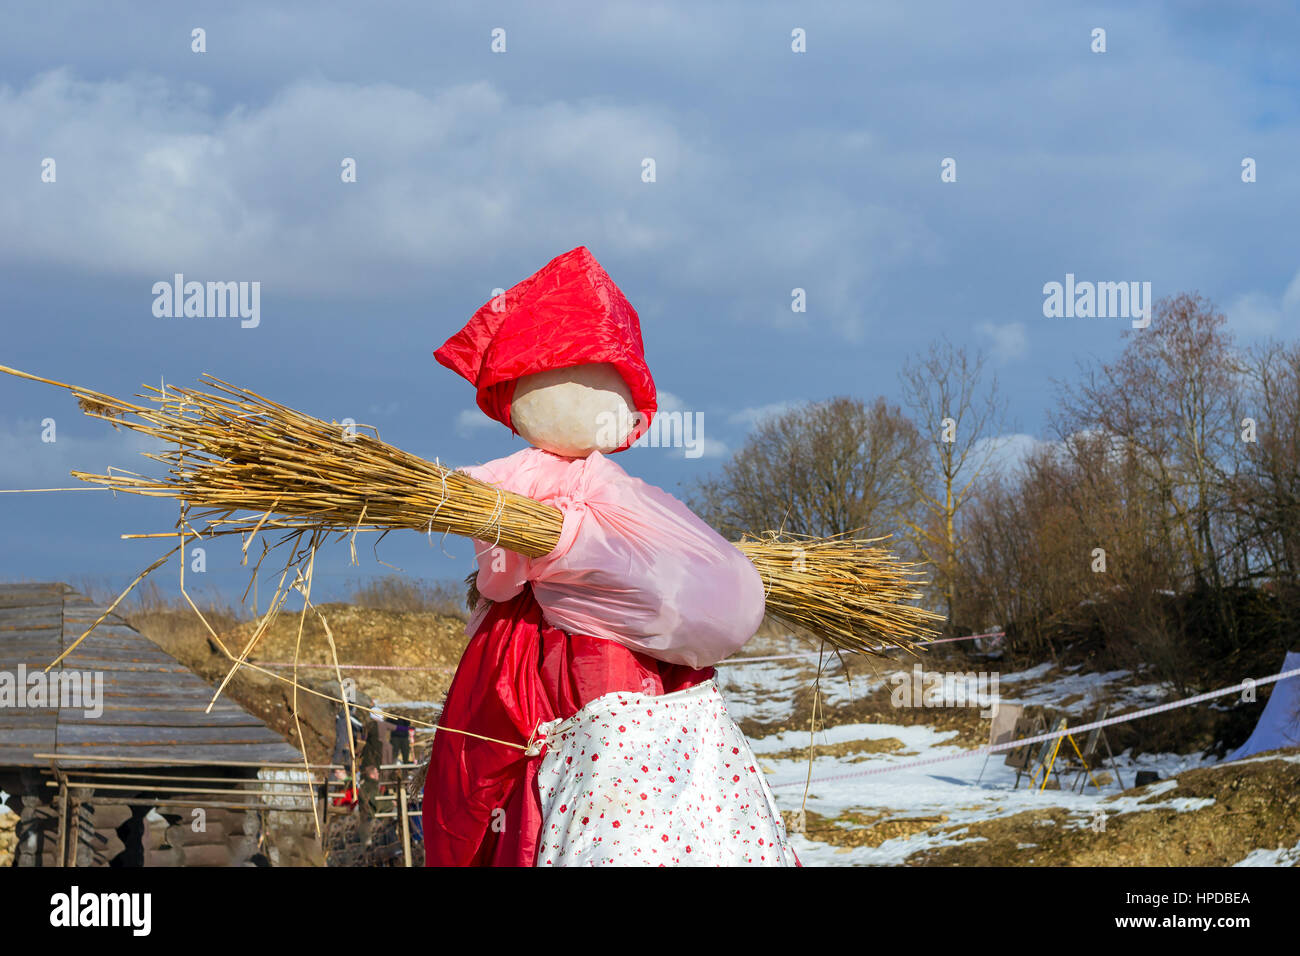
<point>567,313</point>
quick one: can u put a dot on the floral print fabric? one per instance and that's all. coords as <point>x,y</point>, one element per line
<point>633,780</point>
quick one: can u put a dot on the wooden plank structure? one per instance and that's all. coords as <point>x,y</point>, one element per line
<point>118,760</point>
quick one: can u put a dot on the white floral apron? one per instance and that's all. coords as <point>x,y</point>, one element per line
<point>641,780</point>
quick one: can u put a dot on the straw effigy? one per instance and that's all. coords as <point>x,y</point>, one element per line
<point>240,463</point>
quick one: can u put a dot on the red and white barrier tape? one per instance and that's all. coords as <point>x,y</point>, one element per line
<point>1027,741</point>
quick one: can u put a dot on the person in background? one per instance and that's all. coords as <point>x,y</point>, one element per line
<point>372,754</point>
<point>348,798</point>
<point>342,755</point>
<point>385,732</point>
<point>334,778</point>
<point>417,824</point>
<point>402,740</point>
<point>369,793</point>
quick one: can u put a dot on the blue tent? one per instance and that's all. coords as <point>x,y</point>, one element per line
<point>1279,725</point>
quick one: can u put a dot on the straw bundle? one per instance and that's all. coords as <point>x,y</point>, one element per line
<point>242,464</point>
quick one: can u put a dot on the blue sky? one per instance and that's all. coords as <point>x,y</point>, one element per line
<point>775,170</point>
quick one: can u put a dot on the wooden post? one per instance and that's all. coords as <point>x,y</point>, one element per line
<point>1110,754</point>
<point>406,820</point>
<point>74,825</point>
<point>63,821</point>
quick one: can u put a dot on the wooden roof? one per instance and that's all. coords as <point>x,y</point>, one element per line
<point>153,706</point>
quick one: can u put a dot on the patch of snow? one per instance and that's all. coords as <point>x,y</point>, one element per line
<point>1034,673</point>
<point>843,688</point>
<point>1146,799</point>
<point>954,788</point>
<point>927,791</point>
<point>1282,856</point>
<point>914,737</point>
<point>764,691</point>
<point>1289,758</point>
<point>936,790</point>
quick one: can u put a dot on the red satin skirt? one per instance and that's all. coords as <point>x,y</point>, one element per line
<point>481,805</point>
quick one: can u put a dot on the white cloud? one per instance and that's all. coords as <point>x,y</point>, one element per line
<point>681,429</point>
<point>698,448</point>
<point>470,420</point>
<point>712,448</point>
<point>669,402</point>
<point>751,416</point>
<point>1006,453</point>
<point>28,462</point>
<point>152,181</point>
<point>1259,313</point>
<point>1008,341</point>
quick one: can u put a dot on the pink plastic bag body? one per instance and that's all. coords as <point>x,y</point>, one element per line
<point>633,563</point>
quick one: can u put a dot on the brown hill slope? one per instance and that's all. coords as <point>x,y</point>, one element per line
<point>416,639</point>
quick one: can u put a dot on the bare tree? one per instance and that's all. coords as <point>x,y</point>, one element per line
<point>1265,495</point>
<point>1167,403</point>
<point>1029,556</point>
<point>958,415</point>
<point>1172,495</point>
<point>820,469</point>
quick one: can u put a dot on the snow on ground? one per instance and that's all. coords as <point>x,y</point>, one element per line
<point>1088,687</point>
<point>953,787</point>
<point>1034,673</point>
<point>1281,856</point>
<point>758,688</point>
<point>1148,799</point>
<point>839,688</point>
<point>914,738</point>
<point>762,691</point>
